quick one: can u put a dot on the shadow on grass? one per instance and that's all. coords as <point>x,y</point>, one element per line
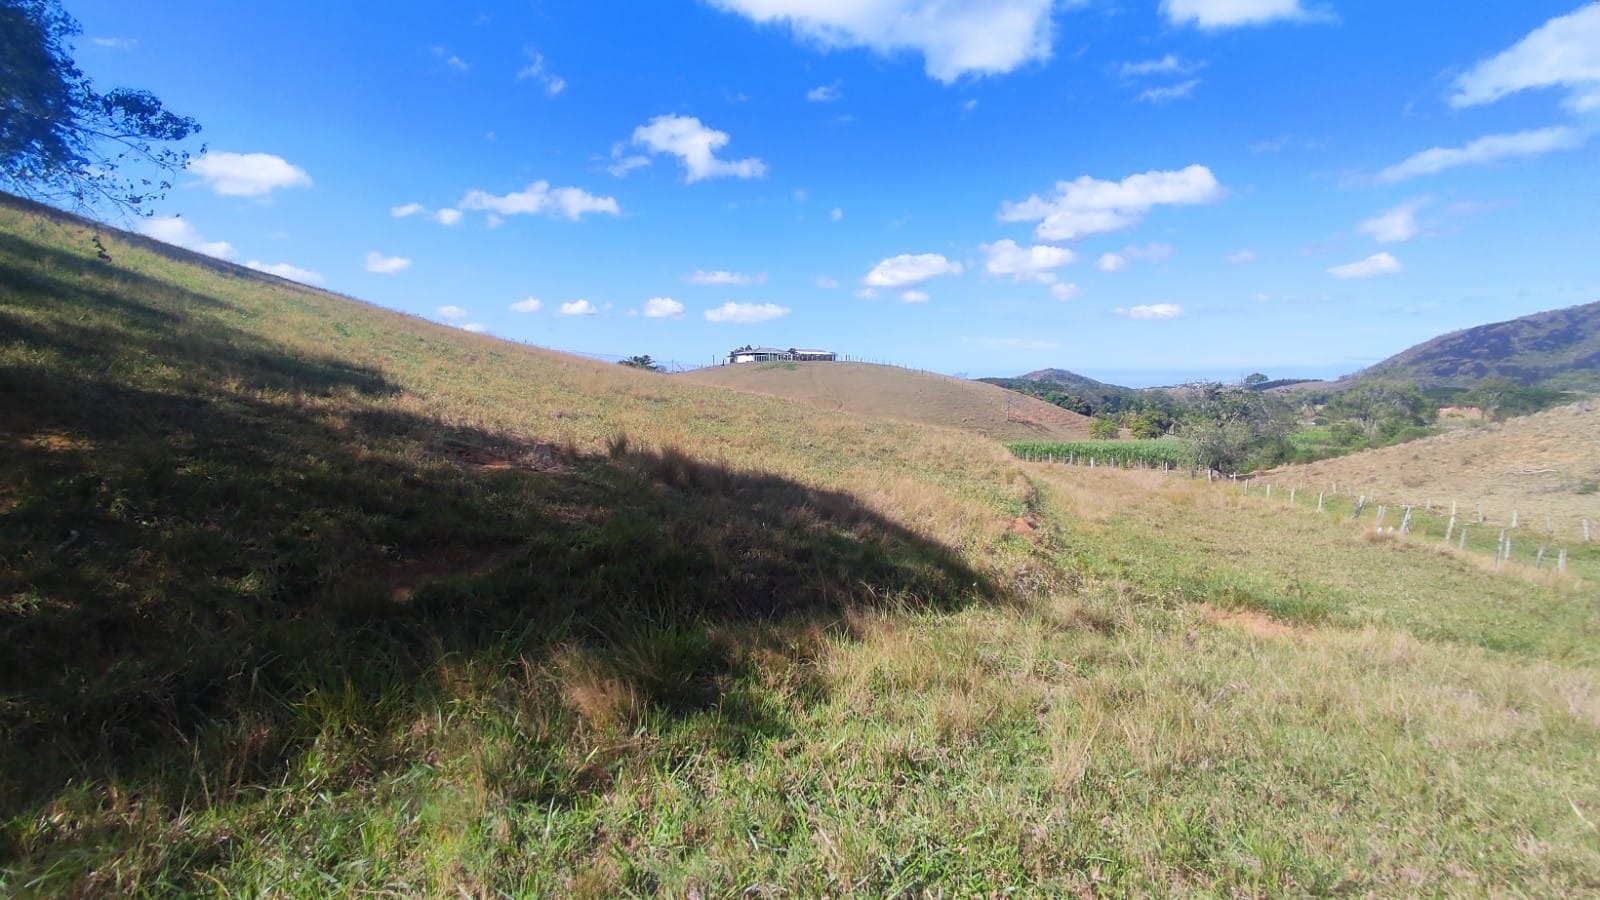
<point>208,540</point>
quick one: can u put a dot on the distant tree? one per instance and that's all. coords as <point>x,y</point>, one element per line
<point>1254,379</point>
<point>641,362</point>
<point>1383,408</point>
<point>63,142</point>
<point>1149,424</point>
<point>1104,428</point>
<point>1502,398</point>
<point>1231,428</point>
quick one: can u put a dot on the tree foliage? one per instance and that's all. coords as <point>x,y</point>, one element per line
<point>1232,428</point>
<point>1104,428</point>
<point>1383,409</point>
<point>641,362</point>
<point>63,142</point>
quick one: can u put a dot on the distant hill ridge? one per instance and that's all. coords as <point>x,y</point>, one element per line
<point>1559,349</point>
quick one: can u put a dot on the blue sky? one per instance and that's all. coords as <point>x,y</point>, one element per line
<point>1145,192</point>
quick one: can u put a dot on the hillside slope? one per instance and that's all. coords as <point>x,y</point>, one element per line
<point>303,597</point>
<point>905,395</point>
<point>1559,349</point>
<point>1545,467</point>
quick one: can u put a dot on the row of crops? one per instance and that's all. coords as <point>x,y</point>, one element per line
<point>1152,454</point>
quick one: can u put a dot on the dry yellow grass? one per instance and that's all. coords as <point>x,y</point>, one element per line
<point>1543,467</point>
<point>903,394</point>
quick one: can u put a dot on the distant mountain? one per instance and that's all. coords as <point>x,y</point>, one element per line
<point>1557,349</point>
<point>1056,385</point>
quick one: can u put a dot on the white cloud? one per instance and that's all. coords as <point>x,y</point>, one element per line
<point>447,216</point>
<point>540,199</point>
<point>1088,206</point>
<point>452,313</point>
<point>1153,311</point>
<point>1242,257</point>
<point>1234,13</point>
<point>726,279</point>
<point>907,269</point>
<point>1179,91</point>
<point>179,233</point>
<point>247,174</point>
<point>1034,264</point>
<point>826,283</point>
<point>1396,225</point>
<point>552,83</point>
<point>1064,291</point>
<point>1483,151</point>
<point>457,64</point>
<point>836,214</point>
<point>528,305</point>
<point>663,308</point>
<point>866,293</point>
<point>284,270</point>
<point>1377,264</point>
<point>474,327</point>
<point>578,308</point>
<point>1563,51</point>
<point>915,297</point>
<point>406,210</point>
<point>824,93</point>
<point>115,43</point>
<point>1112,262</point>
<point>1151,252</point>
<point>386,265</point>
<point>696,146</point>
<point>955,37</point>
<point>1171,64</point>
<point>746,313</point>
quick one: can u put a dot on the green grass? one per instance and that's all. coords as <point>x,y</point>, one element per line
<point>302,597</point>
<point>1151,454</point>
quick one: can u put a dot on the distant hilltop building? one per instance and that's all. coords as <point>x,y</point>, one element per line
<point>748,354</point>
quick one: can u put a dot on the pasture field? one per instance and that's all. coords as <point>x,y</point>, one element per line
<point>302,597</point>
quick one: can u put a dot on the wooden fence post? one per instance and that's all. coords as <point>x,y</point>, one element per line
<point>1319,501</point>
<point>1405,523</point>
<point>1586,531</point>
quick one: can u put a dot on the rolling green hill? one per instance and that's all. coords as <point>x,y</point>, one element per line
<point>304,597</point>
<point>1557,349</point>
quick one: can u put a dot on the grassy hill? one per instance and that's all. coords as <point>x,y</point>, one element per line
<point>1558,349</point>
<point>906,395</point>
<point>1544,467</point>
<point>304,597</point>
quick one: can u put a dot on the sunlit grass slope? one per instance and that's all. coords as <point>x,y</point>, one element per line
<point>304,598</point>
<point>905,395</point>
<point>1544,467</point>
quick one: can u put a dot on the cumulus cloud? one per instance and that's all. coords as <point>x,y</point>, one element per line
<point>528,305</point>
<point>1034,264</point>
<point>552,83</point>
<point>452,313</point>
<point>1112,262</point>
<point>824,93</point>
<point>696,147</point>
<point>1235,13</point>
<point>1088,205</point>
<point>1168,94</point>
<point>955,37</point>
<point>1063,291</point>
<point>247,174</point>
<point>578,308</point>
<point>663,308</point>
<point>915,296</point>
<point>907,270</point>
<point>746,313</point>
<point>407,210</point>
<point>179,233</point>
<point>1483,151</point>
<point>1152,311</point>
<point>284,270</point>
<point>1396,225</point>
<point>447,216</point>
<point>386,265</point>
<point>1376,264</point>
<point>836,214</point>
<point>541,199</point>
<point>1242,257</point>
<point>1564,51</point>
<point>726,279</point>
